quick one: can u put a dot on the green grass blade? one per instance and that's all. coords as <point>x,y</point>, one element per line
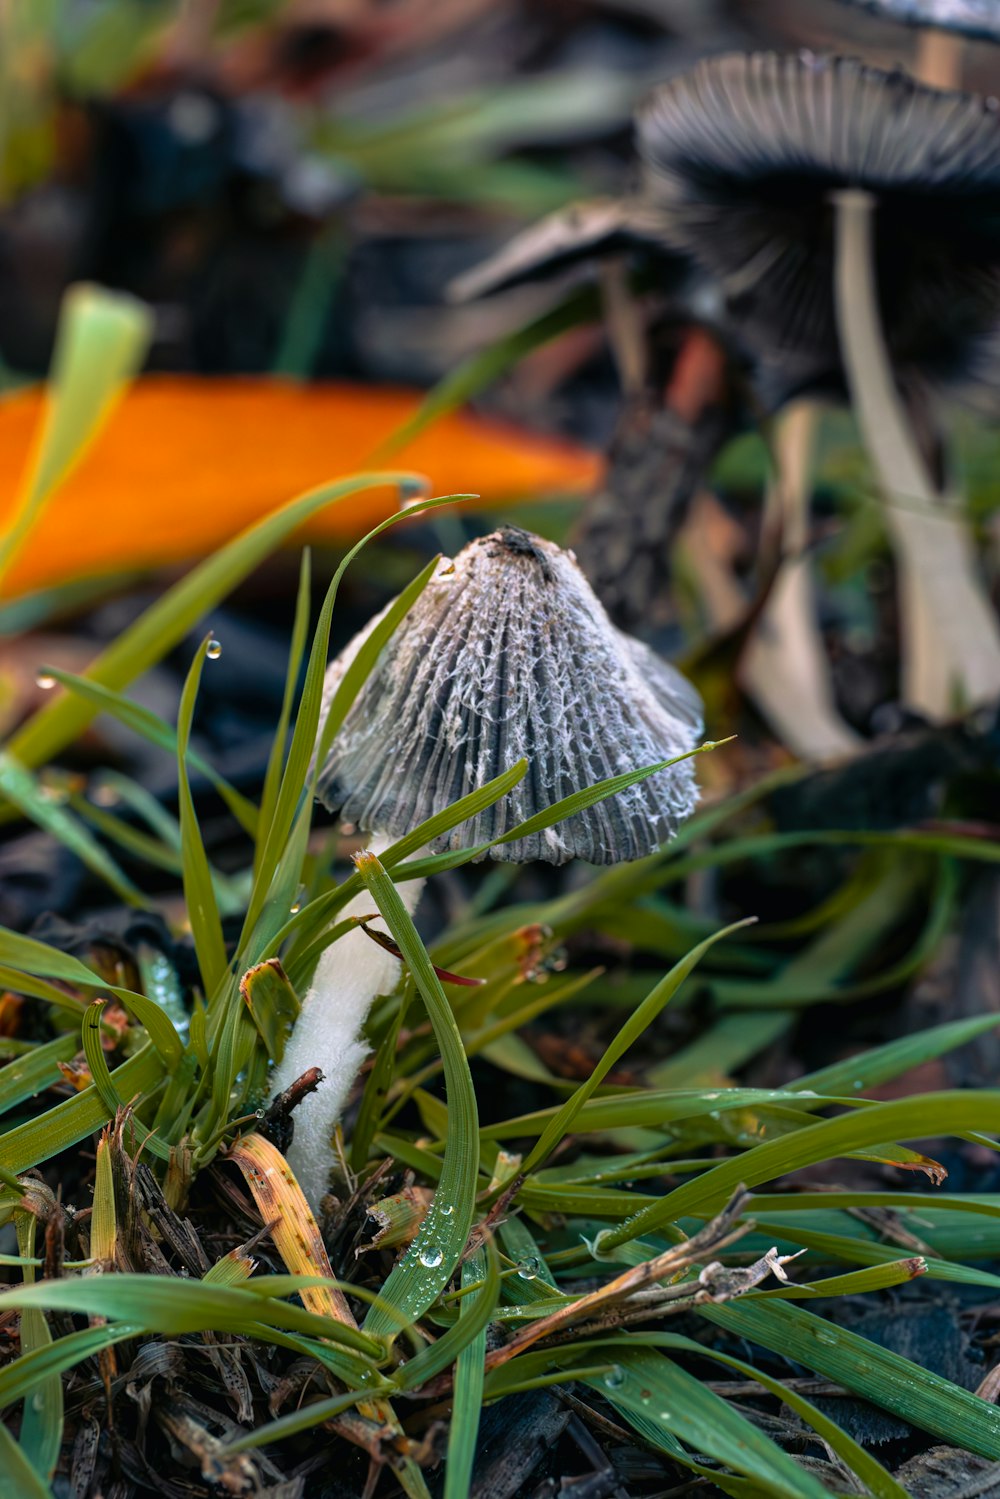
<point>23,1375</point>
<point>668,1399</point>
<point>883,1063</point>
<point>170,1305</point>
<point>919,1118</point>
<point>467,1394</point>
<point>303,1419</point>
<point>151,727</point>
<point>866,1369</point>
<point>481,369</point>
<point>308,925</point>
<point>104,1083</point>
<point>431,1258</point>
<point>74,1119</point>
<point>475,1315</point>
<point>101,341</point>
<point>199,891</point>
<point>40,959</point>
<point>21,1480</point>
<point>872,1474</point>
<point>165,624</point>
<point>42,1420</point>
<point>276,759</point>
<point>32,1074</point>
<point>22,790</point>
<point>629,1033</point>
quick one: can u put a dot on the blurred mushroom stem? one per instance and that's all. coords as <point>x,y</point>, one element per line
<point>349,977</point>
<point>950,645</point>
<point>665,444</point>
<point>785,668</point>
<point>938,59</point>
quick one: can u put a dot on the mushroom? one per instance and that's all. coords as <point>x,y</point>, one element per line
<point>506,654</point>
<point>677,382</point>
<point>769,171</point>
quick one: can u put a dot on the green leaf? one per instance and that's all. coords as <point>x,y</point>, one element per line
<point>42,1420</point>
<point>467,1390</point>
<point>100,343</point>
<point>169,1305</point>
<point>165,624</point>
<point>199,891</point>
<point>276,759</point>
<point>430,1261</point>
<point>25,1481</point>
<point>657,1396</point>
<point>32,1074</point>
<point>38,958</point>
<point>23,1375</point>
<point>919,1118</point>
<point>152,728</point>
<point>73,1120</point>
<point>273,1005</point>
<point>21,788</point>
<point>634,1027</point>
<point>104,1083</point>
<point>475,1315</point>
<point>882,1063</point>
<point>866,1369</point>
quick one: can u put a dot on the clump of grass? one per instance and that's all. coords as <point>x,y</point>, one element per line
<point>550,1247</point>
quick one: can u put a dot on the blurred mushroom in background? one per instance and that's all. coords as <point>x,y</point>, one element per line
<point>769,170</point>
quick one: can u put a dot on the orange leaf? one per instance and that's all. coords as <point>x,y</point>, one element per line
<point>185,463</point>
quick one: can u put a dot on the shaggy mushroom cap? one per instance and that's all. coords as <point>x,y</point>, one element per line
<point>507,653</point>
<point>744,154</point>
<point>582,232</point>
<point>978,19</point>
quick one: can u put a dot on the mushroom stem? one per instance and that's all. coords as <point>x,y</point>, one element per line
<point>950,638</point>
<point>786,668</point>
<point>349,977</point>
<point>938,57</point>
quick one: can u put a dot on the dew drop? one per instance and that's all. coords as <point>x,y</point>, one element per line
<point>858,1083</point>
<point>447,1210</point>
<point>38,1401</point>
<point>45,681</point>
<point>826,1335</point>
<point>431,1257</point>
<point>645,1396</point>
<point>410,491</point>
<point>528,1268</point>
<point>615,1377</point>
<point>213,650</point>
<point>260,1113</point>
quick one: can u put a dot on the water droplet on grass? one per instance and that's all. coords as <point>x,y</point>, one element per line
<point>45,681</point>
<point>431,1257</point>
<point>446,1210</point>
<point>615,1377</point>
<point>528,1268</point>
<point>213,650</point>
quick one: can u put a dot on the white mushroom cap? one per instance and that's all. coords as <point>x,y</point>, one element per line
<point>508,653</point>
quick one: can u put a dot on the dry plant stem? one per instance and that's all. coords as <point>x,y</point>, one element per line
<point>349,977</point>
<point>950,636</point>
<point>715,1236</point>
<point>786,668</point>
